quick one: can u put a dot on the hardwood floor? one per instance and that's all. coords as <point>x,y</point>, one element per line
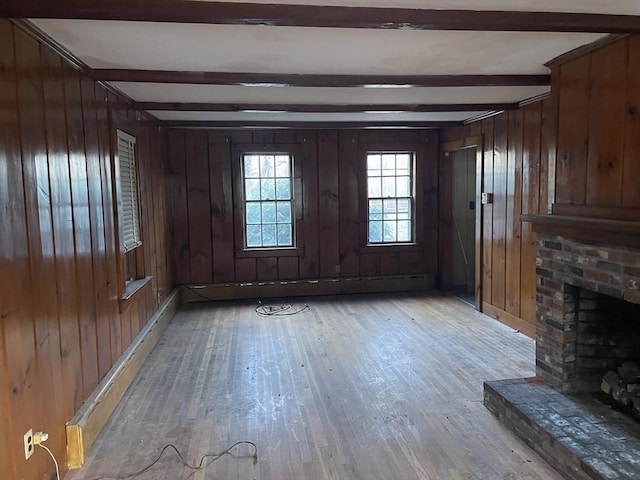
<point>356,387</point>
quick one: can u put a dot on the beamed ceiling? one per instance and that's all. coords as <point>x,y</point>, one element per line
<point>340,63</point>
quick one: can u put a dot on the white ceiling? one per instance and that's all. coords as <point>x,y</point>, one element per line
<point>327,51</point>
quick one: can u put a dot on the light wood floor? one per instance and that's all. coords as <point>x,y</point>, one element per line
<point>366,387</point>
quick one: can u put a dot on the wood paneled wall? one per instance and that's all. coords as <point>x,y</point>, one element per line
<point>598,164</point>
<point>515,170</point>
<point>201,187</point>
<point>62,325</point>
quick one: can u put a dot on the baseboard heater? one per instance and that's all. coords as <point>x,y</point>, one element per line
<point>298,288</point>
<point>83,429</point>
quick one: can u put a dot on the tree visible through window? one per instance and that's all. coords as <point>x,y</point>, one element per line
<point>268,200</point>
<point>390,197</point>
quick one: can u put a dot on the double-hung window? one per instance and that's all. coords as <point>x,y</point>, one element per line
<point>390,197</point>
<point>128,192</point>
<point>268,200</point>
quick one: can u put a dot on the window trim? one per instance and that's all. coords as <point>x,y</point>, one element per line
<point>240,248</point>
<point>416,245</point>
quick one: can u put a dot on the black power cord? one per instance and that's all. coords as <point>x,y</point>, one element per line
<point>201,463</point>
<point>283,310</point>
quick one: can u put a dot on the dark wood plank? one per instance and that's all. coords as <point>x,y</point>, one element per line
<point>446,220</point>
<point>15,305</point>
<point>606,125</point>
<point>531,161</point>
<point>427,151</point>
<point>328,204</point>
<point>98,230</point>
<point>177,192</point>
<point>199,206</point>
<point>351,175</point>
<point>309,266</point>
<point>267,268</point>
<point>86,305</point>
<point>631,173</point>
<point>514,209</point>
<point>498,236</point>
<point>221,188</point>
<point>487,211</point>
<point>63,233</point>
<point>548,149</point>
<point>288,268</point>
<point>573,131</point>
<point>370,264</point>
<point>246,270</point>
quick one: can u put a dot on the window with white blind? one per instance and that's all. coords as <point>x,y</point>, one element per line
<point>128,192</point>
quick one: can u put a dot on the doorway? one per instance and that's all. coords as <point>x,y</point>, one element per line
<point>463,217</point>
<point>460,218</point>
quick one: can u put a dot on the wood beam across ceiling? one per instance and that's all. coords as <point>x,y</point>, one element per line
<point>301,125</point>
<point>189,11</point>
<point>315,80</point>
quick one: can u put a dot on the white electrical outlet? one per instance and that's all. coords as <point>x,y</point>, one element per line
<point>28,444</point>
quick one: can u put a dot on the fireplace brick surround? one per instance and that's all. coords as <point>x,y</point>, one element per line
<point>565,265</point>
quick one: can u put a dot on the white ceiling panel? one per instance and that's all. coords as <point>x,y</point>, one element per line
<point>312,117</point>
<point>163,92</point>
<point>619,7</point>
<point>261,49</point>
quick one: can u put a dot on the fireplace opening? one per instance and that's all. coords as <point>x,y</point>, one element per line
<point>607,335</point>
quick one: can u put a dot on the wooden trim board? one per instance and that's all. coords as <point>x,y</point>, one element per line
<point>509,320</point>
<point>324,286</point>
<point>83,429</point>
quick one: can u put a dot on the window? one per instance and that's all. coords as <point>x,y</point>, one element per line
<point>128,192</point>
<point>390,197</point>
<point>268,200</point>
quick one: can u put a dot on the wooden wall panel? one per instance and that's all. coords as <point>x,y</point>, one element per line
<point>514,160</point>
<point>598,127</point>
<point>331,237</point>
<point>61,327</point>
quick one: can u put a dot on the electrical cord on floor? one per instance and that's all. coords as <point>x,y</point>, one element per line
<point>283,310</point>
<point>212,456</point>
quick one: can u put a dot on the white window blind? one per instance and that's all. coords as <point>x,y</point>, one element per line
<point>129,213</point>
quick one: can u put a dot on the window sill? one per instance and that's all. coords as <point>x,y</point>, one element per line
<point>270,252</point>
<point>132,288</point>
<point>391,247</point>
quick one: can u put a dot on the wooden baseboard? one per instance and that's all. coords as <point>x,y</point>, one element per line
<point>298,288</point>
<point>509,320</point>
<point>83,429</point>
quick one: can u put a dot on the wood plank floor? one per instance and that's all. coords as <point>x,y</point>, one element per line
<point>356,387</point>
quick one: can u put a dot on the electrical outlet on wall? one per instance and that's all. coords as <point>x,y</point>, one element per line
<point>28,444</point>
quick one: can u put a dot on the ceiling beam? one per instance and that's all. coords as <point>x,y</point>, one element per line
<point>322,108</point>
<point>189,11</point>
<point>312,80</point>
<point>301,125</point>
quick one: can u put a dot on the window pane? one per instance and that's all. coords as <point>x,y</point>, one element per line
<point>253,213</point>
<point>284,212</point>
<point>404,209</point>
<point>284,235</point>
<point>389,230</point>
<point>269,236</point>
<point>251,166</point>
<point>388,164</point>
<point>404,231</point>
<point>403,186</point>
<point>254,237</point>
<point>283,164</point>
<point>252,189</point>
<point>375,209</point>
<point>267,166</point>
<point>268,189</point>
<point>375,187</point>
<point>389,209</point>
<point>283,189</point>
<point>388,186</point>
<point>403,164</point>
<point>373,165</point>
<point>375,232</point>
<point>269,212</point>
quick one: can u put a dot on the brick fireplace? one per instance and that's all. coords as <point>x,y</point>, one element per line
<point>588,312</point>
<point>588,322</point>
